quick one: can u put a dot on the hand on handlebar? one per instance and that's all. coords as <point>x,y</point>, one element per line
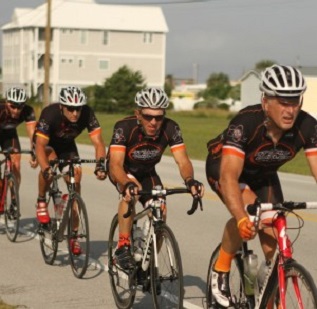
<point>246,228</point>
<point>100,170</point>
<point>196,188</point>
<point>48,173</point>
<point>130,189</point>
<point>33,161</point>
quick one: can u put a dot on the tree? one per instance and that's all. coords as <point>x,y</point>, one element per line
<point>218,86</point>
<point>118,92</point>
<point>263,64</point>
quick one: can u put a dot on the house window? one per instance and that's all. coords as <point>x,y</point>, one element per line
<point>103,64</point>
<point>105,37</point>
<point>83,37</point>
<point>147,37</point>
<point>80,63</point>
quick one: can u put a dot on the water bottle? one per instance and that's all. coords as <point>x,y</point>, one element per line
<point>146,228</point>
<point>263,272</point>
<point>60,204</point>
<point>138,244</point>
<point>57,202</point>
<point>250,263</point>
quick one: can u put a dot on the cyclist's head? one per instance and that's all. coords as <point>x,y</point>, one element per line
<point>72,96</point>
<point>282,81</point>
<point>16,96</point>
<point>154,98</point>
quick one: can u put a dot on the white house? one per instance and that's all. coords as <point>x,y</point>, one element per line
<point>251,94</point>
<point>89,42</point>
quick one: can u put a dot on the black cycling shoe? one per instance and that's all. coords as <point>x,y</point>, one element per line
<point>123,258</point>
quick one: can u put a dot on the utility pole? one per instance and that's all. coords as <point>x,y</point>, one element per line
<point>47,55</point>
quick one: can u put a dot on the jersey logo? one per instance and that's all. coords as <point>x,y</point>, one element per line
<point>236,132</point>
<point>118,136</point>
<point>177,137</point>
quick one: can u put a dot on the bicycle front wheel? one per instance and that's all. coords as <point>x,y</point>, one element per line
<point>12,209</point>
<point>300,289</point>
<point>236,284</point>
<point>78,235</point>
<point>167,279</point>
<point>122,283</point>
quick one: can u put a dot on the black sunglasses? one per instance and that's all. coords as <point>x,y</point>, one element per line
<point>16,106</point>
<point>148,117</point>
<point>73,108</point>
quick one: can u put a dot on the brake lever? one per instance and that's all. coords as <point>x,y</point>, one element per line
<point>129,211</point>
<point>196,201</point>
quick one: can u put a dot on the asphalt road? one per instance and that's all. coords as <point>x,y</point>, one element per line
<point>25,279</point>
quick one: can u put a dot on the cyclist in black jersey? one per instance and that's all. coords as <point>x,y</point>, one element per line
<point>58,126</point>
<point>243,161</point>
<point>13,112</point>
<point>137,145</point>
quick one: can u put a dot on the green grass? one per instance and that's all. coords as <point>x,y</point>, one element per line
<point>198,127</point>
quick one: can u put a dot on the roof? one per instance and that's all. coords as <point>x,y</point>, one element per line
<point>247,74</point>
<point>87,14</point>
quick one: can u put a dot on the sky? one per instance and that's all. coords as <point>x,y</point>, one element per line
<point>227,36</point>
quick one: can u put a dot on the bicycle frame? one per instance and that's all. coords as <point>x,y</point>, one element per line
<point>282,255</point>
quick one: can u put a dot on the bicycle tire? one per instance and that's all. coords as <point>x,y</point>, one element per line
<point>78,262</point>
<point>48,238</point>
<point>167,286</point>
<point>123,285</point>
<point>12,209</point>
<point>306,285</point>
<point>236,283</point>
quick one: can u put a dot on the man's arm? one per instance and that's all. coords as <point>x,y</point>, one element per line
<point>100,148</point>
<point>230,171</point>
<point>312,161</point>
<point>184,164</point>
<point>40,146</point>
<point>116,169</point>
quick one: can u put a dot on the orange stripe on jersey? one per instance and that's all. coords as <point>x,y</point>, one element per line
<point>42,135</point>
<point>95,132</point>
<point>178,147</point>
<point>311,152</point>
<point>117,148</point>
<point>228,150</point>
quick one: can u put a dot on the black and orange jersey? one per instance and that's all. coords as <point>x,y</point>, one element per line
<point>246,137</point>
<point>142,153</point>
<point>55,127</point>
<point>7,122</point>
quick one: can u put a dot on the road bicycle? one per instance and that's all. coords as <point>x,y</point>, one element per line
<point>69,219</point>
<point>285,283</point>
<point>158,260</point>
<point>10,201</point>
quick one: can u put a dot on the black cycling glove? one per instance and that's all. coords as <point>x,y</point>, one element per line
<point>193,183</point>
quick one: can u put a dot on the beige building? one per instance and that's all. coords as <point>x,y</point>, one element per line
<point>251,94</point>
<point>89,42</point>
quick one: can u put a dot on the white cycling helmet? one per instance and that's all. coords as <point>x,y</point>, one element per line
<point>282,81</point>
<point>72,96</point>
<point>152,98</point>
<point>16,95</point>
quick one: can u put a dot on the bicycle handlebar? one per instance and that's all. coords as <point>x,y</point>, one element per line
<point>164,192</point>
<point>71,161</point>
<point>284,206</point>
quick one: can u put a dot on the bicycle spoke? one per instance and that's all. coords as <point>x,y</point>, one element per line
<point>167,280</point>
<point>122,283</point>
<point>12,209</point>
<point>78,236</point>
<point>48,241</point>
<point>300,292</point>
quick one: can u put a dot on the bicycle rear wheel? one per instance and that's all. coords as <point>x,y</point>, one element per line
<point>78,235</point>
<point>235,282</point>
<point>300,287</point>
<point>123,283</point>
<point>167,281</point>
<point>12,209</point>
